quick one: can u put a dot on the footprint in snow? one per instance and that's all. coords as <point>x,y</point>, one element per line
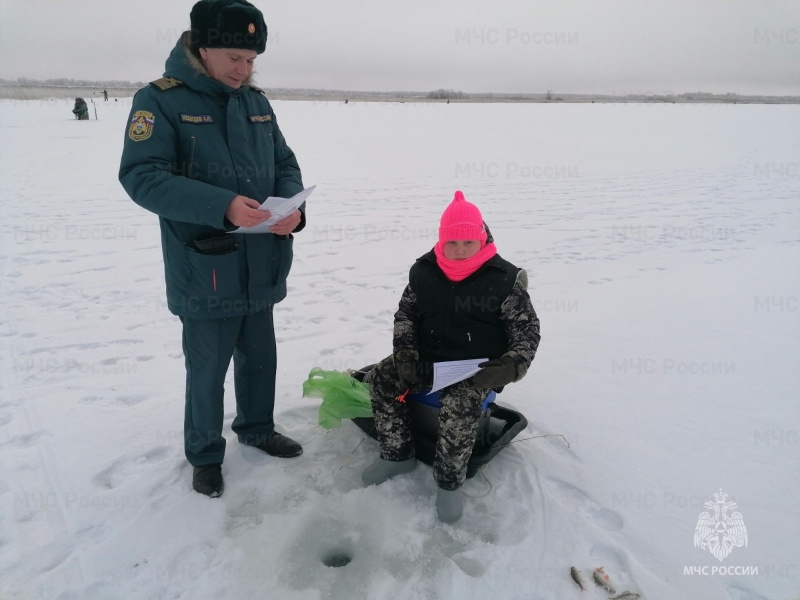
<point>500,502</point>
<point>126,469</point>
<point>191,563</point>
<point>569,494</point>
<point>442,542</point>
<point>9,330</point>
<point>346,349</point>
<point>246,512</point>
<point>123,400</point>
<point>53,556</point>
<point>611,557</point>
<point>129,400</point>
<point>24,441</point>
<point>93,534</point>
<point>470,566</point>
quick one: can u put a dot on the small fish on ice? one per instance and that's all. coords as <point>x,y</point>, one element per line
<point>601,579</point>
<point>576,577</point>
<point>626,595</point>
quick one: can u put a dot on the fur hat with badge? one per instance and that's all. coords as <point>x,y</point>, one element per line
<point>228,24</point>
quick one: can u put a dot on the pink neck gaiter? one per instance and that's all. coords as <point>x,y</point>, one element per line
<point>457,270</point>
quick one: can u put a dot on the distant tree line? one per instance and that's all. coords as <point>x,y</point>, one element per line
<point>440,94</point>
<point>72,83</point>
<point>443,94</point>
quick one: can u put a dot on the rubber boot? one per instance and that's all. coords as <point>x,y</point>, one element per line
<point>449,505</point>
<point>381,470</point>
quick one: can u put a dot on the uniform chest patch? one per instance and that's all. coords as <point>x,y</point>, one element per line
<point>260,118</point>
<point>141,125</point>
<point>197,119</point>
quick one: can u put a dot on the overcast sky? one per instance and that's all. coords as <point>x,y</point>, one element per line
<point>568,46</point>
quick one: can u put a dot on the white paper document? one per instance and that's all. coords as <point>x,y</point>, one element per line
<point>453,371</point>
<point>280,209</point>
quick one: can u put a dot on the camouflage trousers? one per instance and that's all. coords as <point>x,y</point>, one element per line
<point>458,422</point>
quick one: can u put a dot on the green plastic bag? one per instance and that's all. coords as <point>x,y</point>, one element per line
<point>342,396</point>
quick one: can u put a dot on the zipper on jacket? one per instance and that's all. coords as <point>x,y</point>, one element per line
<point>191,158</point>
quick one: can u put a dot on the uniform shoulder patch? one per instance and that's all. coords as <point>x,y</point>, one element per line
<point>166,83</point>
<point>141,126</point>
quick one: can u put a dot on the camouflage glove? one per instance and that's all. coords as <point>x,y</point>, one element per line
<point>407,370</point>
<point>496,373</point>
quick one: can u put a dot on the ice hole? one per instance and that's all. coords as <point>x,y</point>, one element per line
<point>336,558</point>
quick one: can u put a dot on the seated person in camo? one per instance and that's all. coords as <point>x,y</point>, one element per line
<point>81,109</point>
<point>462,301</point>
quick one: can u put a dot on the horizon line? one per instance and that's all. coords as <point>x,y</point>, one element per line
<point>456,94</point>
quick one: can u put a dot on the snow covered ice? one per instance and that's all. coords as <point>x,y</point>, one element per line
<point>662,244</point>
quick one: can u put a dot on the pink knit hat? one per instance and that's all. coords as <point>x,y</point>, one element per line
<point>461,220</point>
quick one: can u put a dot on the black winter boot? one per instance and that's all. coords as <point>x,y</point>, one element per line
<point>278,445</point>
<point>207,480</point>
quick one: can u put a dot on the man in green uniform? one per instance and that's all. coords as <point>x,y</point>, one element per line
<point>202,151</point>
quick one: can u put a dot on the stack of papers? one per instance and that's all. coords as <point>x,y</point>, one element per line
<point>452,371</point>
<point>280,209</point>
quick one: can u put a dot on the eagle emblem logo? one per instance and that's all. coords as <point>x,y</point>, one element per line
<point>141,125</point>
<point>722,532</point>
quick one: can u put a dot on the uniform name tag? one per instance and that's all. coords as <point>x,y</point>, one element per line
<point>260,118</point>
<point>197,119</point>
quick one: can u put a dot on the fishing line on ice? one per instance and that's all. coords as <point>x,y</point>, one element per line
<point>354,449</point>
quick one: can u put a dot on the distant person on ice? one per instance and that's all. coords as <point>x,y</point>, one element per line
<point>202,151</point>
<point>462,301</point>
<point>105,95</point>
<point>81,109</point>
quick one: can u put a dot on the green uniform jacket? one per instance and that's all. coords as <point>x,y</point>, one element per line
<point>191,146</point>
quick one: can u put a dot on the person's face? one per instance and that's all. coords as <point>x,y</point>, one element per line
<point>461,249</point>
<point>230,66</point>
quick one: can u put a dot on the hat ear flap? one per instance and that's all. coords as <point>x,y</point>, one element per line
<point>199,24</point>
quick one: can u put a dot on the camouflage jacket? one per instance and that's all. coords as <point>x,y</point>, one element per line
<point>514,314</point>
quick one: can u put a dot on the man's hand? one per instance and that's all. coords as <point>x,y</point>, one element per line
<point>496,373</point>
<point>287,225</point>
<point>243,212</point>
<point>407,371</point>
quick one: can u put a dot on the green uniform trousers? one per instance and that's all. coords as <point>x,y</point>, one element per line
<point>208,345</point>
